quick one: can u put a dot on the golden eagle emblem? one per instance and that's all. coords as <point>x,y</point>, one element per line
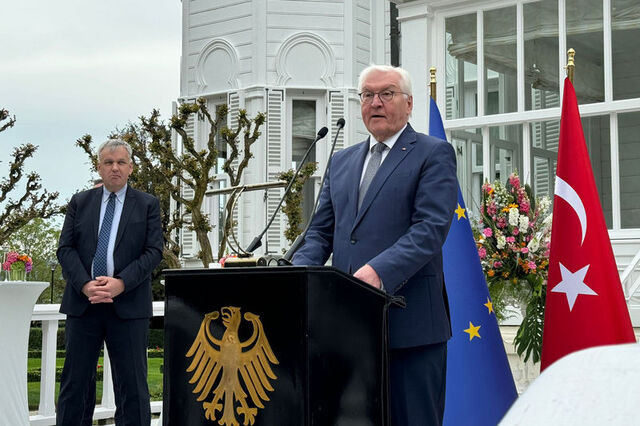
<point>229,364</point>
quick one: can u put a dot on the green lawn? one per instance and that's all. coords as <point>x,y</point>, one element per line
<point>154,378</point>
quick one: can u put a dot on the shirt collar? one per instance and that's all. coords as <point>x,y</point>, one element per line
<point>389,142</point>
<point>119,194</point>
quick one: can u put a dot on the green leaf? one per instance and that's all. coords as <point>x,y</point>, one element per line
<point>528,340</point>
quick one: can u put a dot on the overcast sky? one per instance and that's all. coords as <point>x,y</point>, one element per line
<point>72,67</point>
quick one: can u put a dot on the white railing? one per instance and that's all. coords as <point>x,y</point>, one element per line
<point>50,317</point>
<point>631,287</point>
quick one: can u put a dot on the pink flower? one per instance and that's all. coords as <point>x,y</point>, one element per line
<point>487,232</point>
<point>524,250</point>
<point>514,180</point>
<point>511,239</point>
<point>525,207</point>
<point>497,264</point>
<point>482,252</point>
<point>515,231</point>
<point>502,222</point>
<point>532,265</point>
<point>491,209</point>
<point>12,257</point>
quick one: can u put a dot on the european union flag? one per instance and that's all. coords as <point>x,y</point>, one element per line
<point>480,387</point>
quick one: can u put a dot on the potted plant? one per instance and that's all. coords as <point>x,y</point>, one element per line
<point>17,266</point>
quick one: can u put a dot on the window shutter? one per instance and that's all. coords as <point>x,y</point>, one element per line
<point>275,164</point>
<point>188,240</point>
<point>450,102</point>
<point>233,103</point>
<point>336,105</point>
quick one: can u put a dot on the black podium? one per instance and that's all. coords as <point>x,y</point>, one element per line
<point>274,346</point>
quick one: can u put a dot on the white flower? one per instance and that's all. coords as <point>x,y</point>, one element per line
<point>533,245</point>
<point>502,241</point>
<point>524,223</point>
<point>543,204</point>
<point>514,216</point>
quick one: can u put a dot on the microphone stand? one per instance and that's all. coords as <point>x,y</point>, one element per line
<point>286,259</point>
<point>257,241</point>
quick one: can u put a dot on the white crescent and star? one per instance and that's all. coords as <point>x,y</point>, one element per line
<point>572,283</point>
<point>567,193</point>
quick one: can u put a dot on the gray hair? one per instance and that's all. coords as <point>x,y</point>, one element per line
<point>405,79</point>
<point>112,145</point>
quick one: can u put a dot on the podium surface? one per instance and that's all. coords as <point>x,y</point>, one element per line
<point>274,346</point>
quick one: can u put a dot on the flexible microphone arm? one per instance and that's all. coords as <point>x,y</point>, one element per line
<point>257,241</point>
<point>286,259</point>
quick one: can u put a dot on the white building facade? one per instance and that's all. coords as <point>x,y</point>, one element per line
<point>297,61</point>
<point>500,66</point>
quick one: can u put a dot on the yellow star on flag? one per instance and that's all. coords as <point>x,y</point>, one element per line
<point>460,212</point>
<point>489,305</point>
<point>473,331</point>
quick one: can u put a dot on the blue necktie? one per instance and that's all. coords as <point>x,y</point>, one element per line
<point>100,258</point>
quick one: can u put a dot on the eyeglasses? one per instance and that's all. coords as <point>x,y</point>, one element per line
<point>384,96</point>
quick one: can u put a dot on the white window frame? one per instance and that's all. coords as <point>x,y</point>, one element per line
<point>321,150</point>
<point>442,10</point>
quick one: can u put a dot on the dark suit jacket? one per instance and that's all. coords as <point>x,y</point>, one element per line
<point>399,230</point>
<point>137,251</point>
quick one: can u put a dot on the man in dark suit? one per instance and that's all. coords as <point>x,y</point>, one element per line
<point>384,212</point>
<point>110,243</point>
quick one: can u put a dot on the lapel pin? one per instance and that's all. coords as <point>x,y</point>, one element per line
<point>404,149</point>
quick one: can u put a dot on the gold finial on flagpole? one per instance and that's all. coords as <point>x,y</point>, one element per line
<point>432,82</point>
<point>571,64</point>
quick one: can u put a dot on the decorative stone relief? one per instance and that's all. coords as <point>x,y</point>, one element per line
<point>305,59</point>
<point>217,67</point>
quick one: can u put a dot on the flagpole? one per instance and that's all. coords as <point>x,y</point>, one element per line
<point>571,64</point>
<point>432,82</point>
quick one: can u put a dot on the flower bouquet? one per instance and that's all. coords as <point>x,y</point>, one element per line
<point>17,266</point>
<point>513,235</point>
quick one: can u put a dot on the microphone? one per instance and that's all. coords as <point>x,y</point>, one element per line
<point>286,259</point>
<point>257,241</point>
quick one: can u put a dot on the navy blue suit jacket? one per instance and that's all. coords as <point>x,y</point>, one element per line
<point>137,251</point>
<point>399,229</point>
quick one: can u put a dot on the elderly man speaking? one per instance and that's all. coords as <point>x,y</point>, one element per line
<point>384,212</point>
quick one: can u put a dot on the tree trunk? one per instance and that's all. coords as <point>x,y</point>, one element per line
<point>170,258</point>
<point>200,226</point>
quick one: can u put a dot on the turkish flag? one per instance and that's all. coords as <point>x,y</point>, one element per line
<point>585,305</point>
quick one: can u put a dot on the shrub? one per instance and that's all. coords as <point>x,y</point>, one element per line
<point>35,338</point>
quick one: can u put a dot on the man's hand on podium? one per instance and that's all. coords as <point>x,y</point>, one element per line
<point>369,276</point>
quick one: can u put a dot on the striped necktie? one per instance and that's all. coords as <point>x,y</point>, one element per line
<point>100,258</point>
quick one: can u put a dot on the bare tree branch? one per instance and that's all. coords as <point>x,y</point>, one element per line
<point>22,205</point>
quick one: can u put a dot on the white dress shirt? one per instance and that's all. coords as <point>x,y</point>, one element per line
<point>372,142</point>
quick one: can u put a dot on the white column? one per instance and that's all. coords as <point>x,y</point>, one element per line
<point>414,29</point>
<point>108,398</point>
<point>48,368</point>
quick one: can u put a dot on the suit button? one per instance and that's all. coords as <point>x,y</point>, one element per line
<point>353,241</point>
